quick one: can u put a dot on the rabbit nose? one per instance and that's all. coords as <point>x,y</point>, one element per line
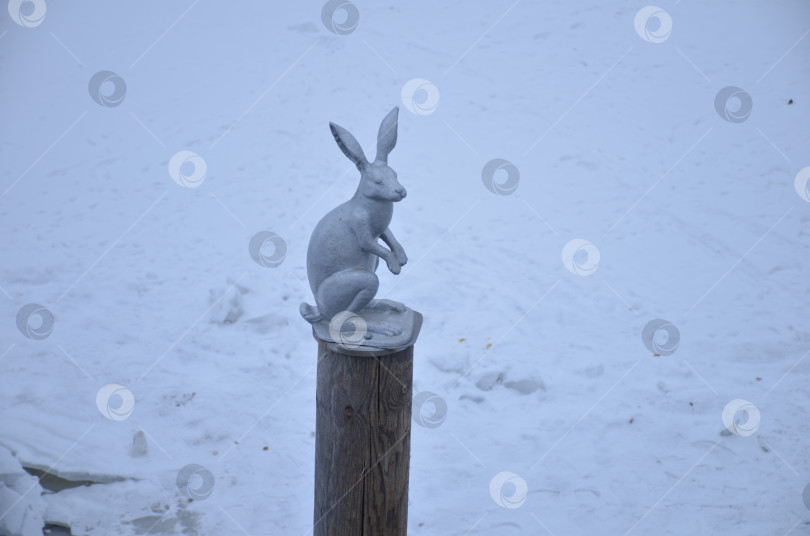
<point>401,191</point>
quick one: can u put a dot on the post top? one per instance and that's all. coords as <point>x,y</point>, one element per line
<point>385,327</point>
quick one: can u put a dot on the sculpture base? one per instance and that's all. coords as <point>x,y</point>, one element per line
<point>383,327</point>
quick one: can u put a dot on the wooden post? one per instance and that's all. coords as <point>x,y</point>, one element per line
<point>362,442</point>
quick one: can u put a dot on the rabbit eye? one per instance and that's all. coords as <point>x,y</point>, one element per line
<point>378,181</point>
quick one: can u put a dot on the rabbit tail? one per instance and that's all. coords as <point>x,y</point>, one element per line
<point>310,313</point>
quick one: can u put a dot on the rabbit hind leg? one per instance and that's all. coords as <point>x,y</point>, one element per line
<point>347,290</point>
<point>387,305</point>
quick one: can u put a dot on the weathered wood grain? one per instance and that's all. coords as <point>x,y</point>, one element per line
<point>362,443</point>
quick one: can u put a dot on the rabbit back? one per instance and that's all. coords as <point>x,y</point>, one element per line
<point>335,246</point>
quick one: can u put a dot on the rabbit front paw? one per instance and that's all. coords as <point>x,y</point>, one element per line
<point>394,265</point>
<point>401,257</point>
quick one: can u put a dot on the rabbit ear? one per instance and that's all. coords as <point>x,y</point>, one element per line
<point>387,136</point>
<point>348,144</point>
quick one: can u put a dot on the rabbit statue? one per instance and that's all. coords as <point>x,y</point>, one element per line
<point>344,250</point>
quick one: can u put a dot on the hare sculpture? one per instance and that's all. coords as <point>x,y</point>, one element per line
<point>344,248</point>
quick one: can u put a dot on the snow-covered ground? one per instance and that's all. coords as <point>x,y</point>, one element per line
<point>537,350</point>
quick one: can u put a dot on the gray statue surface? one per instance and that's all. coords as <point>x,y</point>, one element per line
<point>344,252</point>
